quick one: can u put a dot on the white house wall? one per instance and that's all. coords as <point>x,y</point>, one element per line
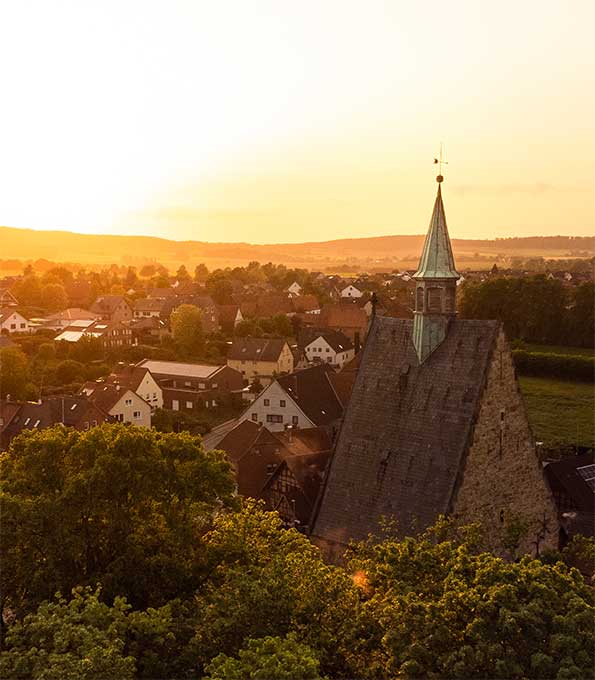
<point>262,412</point>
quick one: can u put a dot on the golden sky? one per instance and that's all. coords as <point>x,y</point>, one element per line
<point>272,121</point>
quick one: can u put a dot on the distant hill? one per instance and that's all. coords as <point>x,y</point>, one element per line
<point>63,246</point>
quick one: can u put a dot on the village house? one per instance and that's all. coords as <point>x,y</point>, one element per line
<point>112,335</point>
<point>302,399</point>
<point>435,425</point>
<point>187,387</point>
<point>148,307</point>
<point>65,318</point>
<point>347,318</point>
<point>112,308</point>
<point>122,403</point>
<point>72,411</point>
<point>294,289</point>
<point>572,481</point>
<point>7,299</point>
<point>283,468</point>
<point>350,291</point>
<point>229,317</point>
<point>260,359</point>
<point>139,379</point>
<point>12,321</point>
<point>326,346</point>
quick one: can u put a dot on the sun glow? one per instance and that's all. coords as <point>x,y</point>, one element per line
<point>276,121</point>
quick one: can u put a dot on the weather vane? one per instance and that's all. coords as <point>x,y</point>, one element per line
<point>440,163</point>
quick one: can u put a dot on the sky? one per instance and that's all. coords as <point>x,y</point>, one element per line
<point>277,121</point>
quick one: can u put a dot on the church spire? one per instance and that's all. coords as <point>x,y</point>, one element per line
<point>436,283</point>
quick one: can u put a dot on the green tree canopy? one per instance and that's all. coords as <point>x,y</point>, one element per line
<point>269,657</point>
<point>437,607</point>
<point>53,297</point>
<point>186,326</point>
<point>116,505</point>
<point>14,373</point>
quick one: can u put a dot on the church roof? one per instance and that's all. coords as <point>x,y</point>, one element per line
<point>406,430</point>
<point>437,260</point>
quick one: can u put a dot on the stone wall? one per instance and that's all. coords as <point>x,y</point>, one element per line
<point>502,477</point>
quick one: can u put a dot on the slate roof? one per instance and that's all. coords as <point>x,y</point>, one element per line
<point>105,395</point>
<point>149,305</point>
<point>130,376</point>
<point>108,303</point>
<point>405,430</point>
<point>256,349</point>
<point>312,391</point>
<point>70,410</point>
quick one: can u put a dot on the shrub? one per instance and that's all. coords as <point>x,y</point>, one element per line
<point>564,366</point>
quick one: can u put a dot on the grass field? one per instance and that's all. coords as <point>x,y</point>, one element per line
<point>559,349</point>
<point>560,412</point>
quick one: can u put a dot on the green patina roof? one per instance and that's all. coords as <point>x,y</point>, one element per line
<point>437,261</point>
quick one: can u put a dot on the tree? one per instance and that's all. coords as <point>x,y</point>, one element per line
<point>28,291</point>
<point>186,326</point>
<point>182,273</point>
<point>269,657</point>
<point>118,506</point>
<point>274,582</point>
<point>83,638</point>
<point>69,371</point>
<point>438,607</point>
<point>201,273</point>
<point>14,373</point>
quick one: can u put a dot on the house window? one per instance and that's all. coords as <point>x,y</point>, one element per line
<point>187,383</point>
<point>189,404</point>
<point>94,423</point>
<point>328,350</point>
<point>282,403</point>
<point>22,325</point>
<point>272,418</point>
<point>267,402</point>
<point>214,386</point>
<point>255,417</point>
<point>86,425</point>
<point>13,326</point>
<point>175,405</point>
<point>128,402</point>
<point>136,415</point>
<point>201,386</point>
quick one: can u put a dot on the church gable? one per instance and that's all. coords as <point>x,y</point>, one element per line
<point>502,478</point>
<point>405,431</point>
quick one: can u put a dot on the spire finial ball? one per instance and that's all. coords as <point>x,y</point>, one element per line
<point>439,179</point>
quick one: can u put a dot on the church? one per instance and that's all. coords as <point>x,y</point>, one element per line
<point>436,425</point>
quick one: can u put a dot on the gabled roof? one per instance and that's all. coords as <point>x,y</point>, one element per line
<point>69,410</point>
<point>105,395</point>
<point>256,349</point>
<point>405,430</point>
<point>130,376</point>
<point>8,312</point>
<point>148,305</point>
<point>108,303</point>
<point>343,315</point>
<point>437,260</point>
<point>336,340</point>
<point>312,391</point>
<point>162,293</point>
<point>305,303</point>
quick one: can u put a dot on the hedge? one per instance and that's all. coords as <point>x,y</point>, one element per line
<point>564,366</point>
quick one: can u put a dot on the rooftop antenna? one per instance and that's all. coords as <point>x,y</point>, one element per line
<point>440,162</point>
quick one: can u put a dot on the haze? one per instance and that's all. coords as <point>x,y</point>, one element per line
<point>287,122</point>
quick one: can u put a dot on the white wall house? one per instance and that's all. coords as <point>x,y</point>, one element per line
<point>125,405</point>
<point>320,350</point>
<point>294,289</point>
<point>13,322</point>
<point>351,291</point>
<point>275,409</point>
<point>150,390</point>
